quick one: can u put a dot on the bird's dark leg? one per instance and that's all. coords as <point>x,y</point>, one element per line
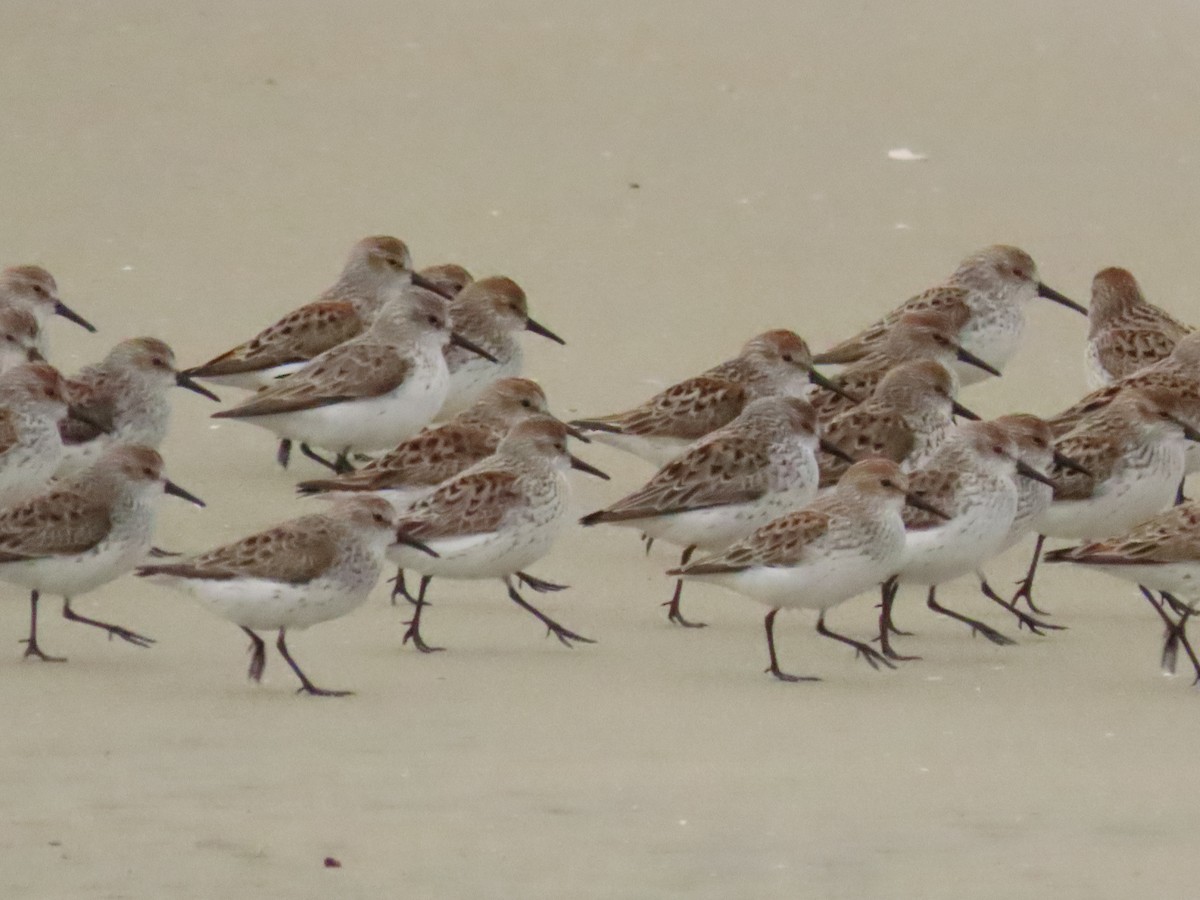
<point>873,657</point>
<point>1025,585</point>
<point>564,635</point>
<point>976,626</point>
<point>1176,633</point>
<point>306,686</point>
<point>773,668</point>
<point>673,613</point>
<point>317,457</point>
<point>401,589</point>
<point>132,637</point>
<point>888,591</point>
<point>31,642</point>
<point>284,454</point>
<point>1037,626</point>
<point>258,655</point>
<point>536,584</point>
<point>342,464</point>
<point>414,624</point>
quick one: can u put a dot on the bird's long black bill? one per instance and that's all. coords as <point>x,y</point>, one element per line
<point>821,381</point>
<point>539,328</point>
<point>1027,471</point>
<point>1051,294</point>
<point>577,463</point>
<point>577,434</point>
<point>61,309</point>
<point>459,341</point>
<point>170,487</point>
<point>963,412</point>
<point>422,282</point>
<point>184,380</point>
<point>1065,462</point>
<point>917,503</point>
<point>834,450</point>
<point>965,355</point>
<point>402,538</point>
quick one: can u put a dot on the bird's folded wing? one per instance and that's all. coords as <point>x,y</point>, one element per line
<point>336,377</point>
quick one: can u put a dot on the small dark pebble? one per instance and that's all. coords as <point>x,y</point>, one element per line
<point>331,863</point>
<point>633,185</point>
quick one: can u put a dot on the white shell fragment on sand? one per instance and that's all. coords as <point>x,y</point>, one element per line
<point>903,154</point>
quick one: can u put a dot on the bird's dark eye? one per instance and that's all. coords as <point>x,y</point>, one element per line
<point>1019,273</point>
<point>380,519</point>
<point>10,338</point>
<point>999,451</point>
<point>149,473</point>
<point>888,483</point>
<point>787,357</point>
<point>433,320</point>
<point>38,289</point>
<point>527,404</point>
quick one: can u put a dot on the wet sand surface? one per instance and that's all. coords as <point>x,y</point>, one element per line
<point>665,180</point>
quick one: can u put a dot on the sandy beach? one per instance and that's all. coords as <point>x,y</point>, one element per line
<point>665,180</point>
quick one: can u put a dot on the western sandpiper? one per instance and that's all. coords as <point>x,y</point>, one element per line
<point>33,401</point>
<point>368,393</point>
<point>83,532</point>
<point>758,467</point>
<point>1126,333</point>
<point>126,393</point>
<point>378,269</point>
<point>842,544</point>
<point>495,519</point>
<point>905,420</point>
<point>972,479</point>
<point>995,284</point>
<point>1034,441</point>
<point>1178,373</point>
<point>34,290</point>
<point>928,335</point>
<point>299,573</point>
<point>1161,554</point>
<point>775,362</point>
<point>490,313</point>
<point>1131,456</point>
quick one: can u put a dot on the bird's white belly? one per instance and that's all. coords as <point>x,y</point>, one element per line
<point>262,604</point>
<point>493,554</point>
<point>939,554</point>
<point>1124,501</point>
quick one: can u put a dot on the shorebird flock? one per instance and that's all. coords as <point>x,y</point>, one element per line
<point>794,488</point>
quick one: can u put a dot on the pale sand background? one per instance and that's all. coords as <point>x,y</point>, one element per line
<point>192,170</point>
